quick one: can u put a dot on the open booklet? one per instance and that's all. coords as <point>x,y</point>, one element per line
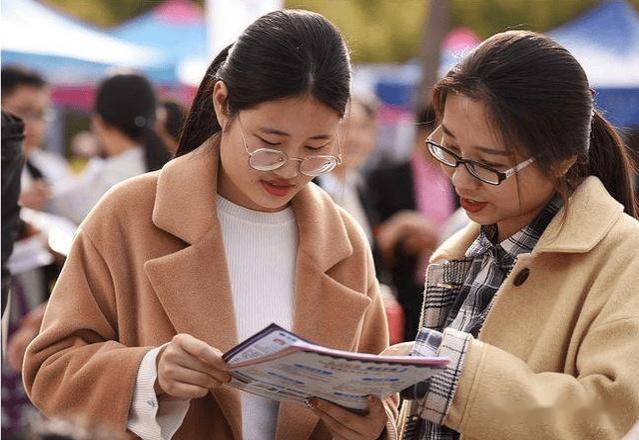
<point>280,365</point>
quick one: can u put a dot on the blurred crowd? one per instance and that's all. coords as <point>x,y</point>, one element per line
<point>132,132</point>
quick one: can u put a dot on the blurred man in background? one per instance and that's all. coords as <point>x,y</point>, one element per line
<point>27,95</point>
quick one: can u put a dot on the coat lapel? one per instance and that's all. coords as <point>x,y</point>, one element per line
<point>320,299</point>
<point>196,274</point>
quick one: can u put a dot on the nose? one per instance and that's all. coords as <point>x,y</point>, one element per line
<point>289,170</point>
<point>462,179</point>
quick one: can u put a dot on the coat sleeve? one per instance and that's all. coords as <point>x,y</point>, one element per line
<point>499,396</point>
<point>76,368</point>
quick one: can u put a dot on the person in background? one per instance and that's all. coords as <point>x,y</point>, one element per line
<point>27,95</point>
<point>175,267</point>
<point>347,186</point>
<point>535,302</point>
<point>123,121</point>
<point>412,201</point>
<point>171,116</point>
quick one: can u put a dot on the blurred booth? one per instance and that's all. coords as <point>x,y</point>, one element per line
<point>604,39</point>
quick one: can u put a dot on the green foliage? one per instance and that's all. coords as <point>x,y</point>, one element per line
<point>105,13</point>
<point>390,30</point>
<point>378,30</point>
<point>492,16</point>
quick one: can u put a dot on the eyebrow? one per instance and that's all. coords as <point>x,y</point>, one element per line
<point>479,147</point>
<point>274,131</point>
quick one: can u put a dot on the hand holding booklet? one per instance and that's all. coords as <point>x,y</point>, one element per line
<point>280,365</point>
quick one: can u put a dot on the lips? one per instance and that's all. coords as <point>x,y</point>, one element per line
<point>471,205</point>
<point>277,188</point>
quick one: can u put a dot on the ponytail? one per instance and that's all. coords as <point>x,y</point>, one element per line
<point>201,123</point>
<point>155,151</point>
<point>609,161</point>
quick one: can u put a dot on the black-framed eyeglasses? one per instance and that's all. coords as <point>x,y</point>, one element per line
<point>269,159</point>
<point>483,172</point>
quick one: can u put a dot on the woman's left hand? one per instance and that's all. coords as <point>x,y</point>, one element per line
<point>346,425</point>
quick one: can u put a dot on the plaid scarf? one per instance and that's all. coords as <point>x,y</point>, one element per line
<point>457,299</point>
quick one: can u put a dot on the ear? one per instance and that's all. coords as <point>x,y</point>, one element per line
<point>220,95</point>
<point>561,168</point>
<point>98,125</point>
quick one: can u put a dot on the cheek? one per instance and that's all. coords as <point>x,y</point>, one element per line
<point>448,171</point>
<point>523,195</point>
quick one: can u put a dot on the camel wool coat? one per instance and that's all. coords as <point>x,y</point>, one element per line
<point>149,263</point>
<point>558,355</point>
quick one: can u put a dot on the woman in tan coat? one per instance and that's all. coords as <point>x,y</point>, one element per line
<point>536,302</point>
<point>173,268</point>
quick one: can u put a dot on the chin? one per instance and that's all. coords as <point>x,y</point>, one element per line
<point>272,205</point>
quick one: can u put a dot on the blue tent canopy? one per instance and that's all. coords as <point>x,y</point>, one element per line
<point>175,27</point>
<point>613,27</point>
<point>605,40</point>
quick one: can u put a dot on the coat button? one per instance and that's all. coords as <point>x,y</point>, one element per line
<point>521,277</point>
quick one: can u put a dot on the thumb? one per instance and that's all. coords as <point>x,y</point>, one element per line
<point>375,406</point>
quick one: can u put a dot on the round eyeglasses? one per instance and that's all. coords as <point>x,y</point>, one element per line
<point>483,172</point>
<point>269,159</point>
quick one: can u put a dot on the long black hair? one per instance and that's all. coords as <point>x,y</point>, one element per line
<point>282,54</point>
<point>126,101</point>
<point>539,98</point>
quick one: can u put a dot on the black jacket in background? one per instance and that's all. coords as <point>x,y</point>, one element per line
<point>390,190</point>
<point>12,161</point>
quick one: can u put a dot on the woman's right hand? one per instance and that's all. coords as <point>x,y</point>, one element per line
<point>188,368</point>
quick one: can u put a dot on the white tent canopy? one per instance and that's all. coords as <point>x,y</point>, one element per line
<point>32,33</point>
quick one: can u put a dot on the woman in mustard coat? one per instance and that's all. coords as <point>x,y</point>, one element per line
<point>536,302</point>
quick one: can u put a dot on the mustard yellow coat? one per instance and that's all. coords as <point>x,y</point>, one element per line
<point>558,356</point>
<point>149,263</point>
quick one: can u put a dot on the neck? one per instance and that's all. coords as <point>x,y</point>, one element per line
<point>340,173</point>
<point>116,143</point>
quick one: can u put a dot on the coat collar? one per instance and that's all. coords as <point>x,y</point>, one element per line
<point>186,207</point>
<point>576,228</point>
<point>197,274</point>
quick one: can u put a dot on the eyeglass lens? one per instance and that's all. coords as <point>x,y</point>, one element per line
<point>269,160</point>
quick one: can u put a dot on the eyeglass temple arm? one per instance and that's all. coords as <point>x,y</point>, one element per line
<point>518,167</point>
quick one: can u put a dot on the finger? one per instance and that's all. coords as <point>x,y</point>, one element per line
<point>201,350</point>
<point>191,377</point>
<point>184,390</point>
<point>401,349</point>
<point>342,416</point>
<point>375,407</point>
<point>181,357</point>
<point>337,429</point>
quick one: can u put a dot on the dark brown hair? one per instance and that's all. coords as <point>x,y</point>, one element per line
<point>282,54</point>
<point>538,98</point>
<point>16,76</point>
<point>126,101</point>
